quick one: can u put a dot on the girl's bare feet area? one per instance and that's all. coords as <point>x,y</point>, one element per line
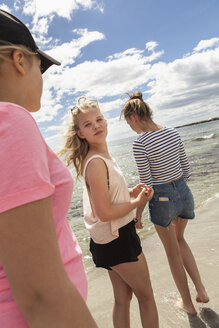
<point>202,297</point>
<point>186,308</point>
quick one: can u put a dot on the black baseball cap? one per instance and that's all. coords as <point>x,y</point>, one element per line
<point>13,31</point>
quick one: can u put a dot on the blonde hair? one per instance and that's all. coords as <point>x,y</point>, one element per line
<point>6,49</point>
<point>135,105</point>
<point>75,149</point>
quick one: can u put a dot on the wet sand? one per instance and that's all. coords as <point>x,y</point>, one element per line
<point>202,234</point>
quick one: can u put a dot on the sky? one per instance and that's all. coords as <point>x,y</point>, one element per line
<point>168,50</point>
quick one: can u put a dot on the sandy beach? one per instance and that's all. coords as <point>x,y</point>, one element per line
<point>202,235</point>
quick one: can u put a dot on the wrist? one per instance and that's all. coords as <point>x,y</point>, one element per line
<point>131,192</point>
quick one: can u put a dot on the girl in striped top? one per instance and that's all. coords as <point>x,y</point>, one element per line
<point>162,163</point>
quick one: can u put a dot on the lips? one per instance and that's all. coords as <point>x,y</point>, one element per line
<point>98,132</point>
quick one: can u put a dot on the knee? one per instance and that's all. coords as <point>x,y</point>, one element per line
<point>181,240</point>
<point>144,295</point>
<point>123,298</point>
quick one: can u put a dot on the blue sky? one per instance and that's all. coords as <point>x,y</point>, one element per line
<point>169,50</point>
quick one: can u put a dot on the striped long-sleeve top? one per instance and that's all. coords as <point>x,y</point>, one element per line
<point>160,157</point>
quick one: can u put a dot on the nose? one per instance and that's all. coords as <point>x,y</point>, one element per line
<point>95,125</point>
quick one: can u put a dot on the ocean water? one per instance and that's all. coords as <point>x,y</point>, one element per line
<point>201,143</point>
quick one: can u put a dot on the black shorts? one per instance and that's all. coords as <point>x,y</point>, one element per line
<point>125,248</point>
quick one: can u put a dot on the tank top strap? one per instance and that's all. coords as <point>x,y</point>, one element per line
<point>92,157</point>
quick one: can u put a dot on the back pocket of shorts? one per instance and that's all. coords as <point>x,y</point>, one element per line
<point>162,209</point>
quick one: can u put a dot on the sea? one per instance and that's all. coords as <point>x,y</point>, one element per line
<point>201,142</point>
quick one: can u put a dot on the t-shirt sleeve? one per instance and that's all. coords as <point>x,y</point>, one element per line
<point>142,163</point>
<point>24,167</point>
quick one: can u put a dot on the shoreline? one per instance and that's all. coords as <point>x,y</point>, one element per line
<point>202,235</point>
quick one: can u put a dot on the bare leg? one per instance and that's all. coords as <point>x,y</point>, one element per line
<point>123,296</point>
<point>189,261</point>
<point>136,275</point>
<point>171,245</point>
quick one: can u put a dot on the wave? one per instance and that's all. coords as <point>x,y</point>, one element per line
<point>210,136</point>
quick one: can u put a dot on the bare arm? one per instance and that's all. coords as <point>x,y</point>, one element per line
<point>31,259</point>
<point>96,175</point>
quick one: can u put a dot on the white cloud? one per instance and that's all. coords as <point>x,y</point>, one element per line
<point>204,44</point>
<point>185,88</point>
<point>62,8</point>
<point>150,46</point>
<point>118,129</point>
<point>67,52</point>
<point>178,92</point>
<point>53,128</point>
<point>181,91</point>
<point>3,6</point>
<point>55,142</point>
<point>118,74</point>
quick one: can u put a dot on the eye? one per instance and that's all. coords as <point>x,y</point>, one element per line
<point>99,119</point>
<point>87,125</point>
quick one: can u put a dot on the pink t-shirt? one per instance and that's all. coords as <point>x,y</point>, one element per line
<point>29,171</point>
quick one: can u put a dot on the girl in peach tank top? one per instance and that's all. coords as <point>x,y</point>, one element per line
<point>109,213</point>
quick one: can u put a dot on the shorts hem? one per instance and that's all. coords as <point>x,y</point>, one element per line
<point>165,226</point>
<point>109,267</point>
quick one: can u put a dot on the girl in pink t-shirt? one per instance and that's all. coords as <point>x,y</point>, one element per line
<point>42,278</point>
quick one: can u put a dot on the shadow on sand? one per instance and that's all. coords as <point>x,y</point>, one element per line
<point>196,322</point>
<point>210,317</point>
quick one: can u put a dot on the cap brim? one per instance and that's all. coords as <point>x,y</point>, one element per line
<point>46,60</point>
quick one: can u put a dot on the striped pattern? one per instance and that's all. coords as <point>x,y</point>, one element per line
<point>160,157</point>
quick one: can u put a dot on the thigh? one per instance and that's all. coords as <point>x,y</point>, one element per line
<point>136,275</point>
<point>122,291</point>
<point>169,238</point>
<point>180,225</point>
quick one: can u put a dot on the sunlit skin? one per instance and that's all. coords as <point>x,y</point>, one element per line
<point>93,128</point>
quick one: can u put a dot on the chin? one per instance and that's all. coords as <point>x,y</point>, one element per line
<point>34,108</point>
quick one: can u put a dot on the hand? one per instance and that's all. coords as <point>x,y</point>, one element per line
<point>144,196</point>
<point>138,223</point>
<point>137,189</point>
<point>149,192</point>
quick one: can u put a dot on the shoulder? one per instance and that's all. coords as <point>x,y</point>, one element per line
<point>16,117</point>
<point>171,130</point>
<point>93,163</point>
<point>19,130</point>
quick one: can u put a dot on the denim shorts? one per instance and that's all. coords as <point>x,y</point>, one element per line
<point>171,200</point>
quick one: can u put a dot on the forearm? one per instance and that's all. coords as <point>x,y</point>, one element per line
<point>116,211</point>
<point>139,211</point>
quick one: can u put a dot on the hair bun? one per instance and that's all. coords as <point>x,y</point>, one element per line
<point>137,95</point>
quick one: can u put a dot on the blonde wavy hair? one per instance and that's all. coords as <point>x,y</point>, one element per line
<point>7,48</point>
<point>75,149</point>
<point>135,105</point>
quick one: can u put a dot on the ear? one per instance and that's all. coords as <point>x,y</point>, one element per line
<point>133,118</point>
<point>79,134</point>
<point>19,61</point>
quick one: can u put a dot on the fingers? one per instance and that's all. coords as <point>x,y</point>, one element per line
<point>138,224</point>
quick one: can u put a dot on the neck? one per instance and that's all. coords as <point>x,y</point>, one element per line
<point>149,125</point>
<point>10,91</point>
<point>100,149</point>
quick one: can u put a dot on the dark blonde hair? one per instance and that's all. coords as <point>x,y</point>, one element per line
<point>135,105</point>
<point>6,49</point>
<point>75,149</point>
